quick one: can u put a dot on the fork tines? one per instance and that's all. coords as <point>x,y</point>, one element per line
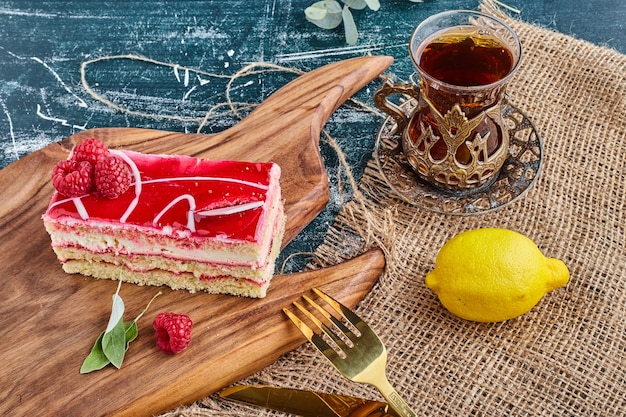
<point>350,336</point>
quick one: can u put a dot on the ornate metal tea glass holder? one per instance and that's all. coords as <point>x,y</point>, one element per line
<point>462,154</point>
<point>523,159</point>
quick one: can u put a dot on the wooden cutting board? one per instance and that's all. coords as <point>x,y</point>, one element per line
<point>50,320</point>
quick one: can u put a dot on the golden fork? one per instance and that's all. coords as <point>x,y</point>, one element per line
<point>359,357</point>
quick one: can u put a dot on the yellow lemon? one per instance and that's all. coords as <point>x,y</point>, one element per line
<point>493,274</point>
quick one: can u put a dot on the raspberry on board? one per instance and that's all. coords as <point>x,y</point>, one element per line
<point>90,150</point>
<point>172,331</point>
<point>72,179</point>
<point>112,176</point>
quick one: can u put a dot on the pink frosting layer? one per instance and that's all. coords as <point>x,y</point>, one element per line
<point>202,198</point>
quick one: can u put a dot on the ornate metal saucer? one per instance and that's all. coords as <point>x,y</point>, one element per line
<point>518,174</point>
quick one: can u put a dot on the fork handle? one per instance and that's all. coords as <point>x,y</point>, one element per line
<point>398,405</point>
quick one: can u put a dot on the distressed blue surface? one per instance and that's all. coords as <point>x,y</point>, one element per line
<point>42,45</point>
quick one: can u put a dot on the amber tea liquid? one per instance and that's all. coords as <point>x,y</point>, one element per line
<point>462,57</point>
<point>466,58</point>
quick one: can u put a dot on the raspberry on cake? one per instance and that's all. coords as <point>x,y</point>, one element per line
<point>180,221</point>
<point>72,178</point>
<point>112,176</point>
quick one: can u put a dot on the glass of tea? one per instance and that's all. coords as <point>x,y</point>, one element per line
<point>455,137</point>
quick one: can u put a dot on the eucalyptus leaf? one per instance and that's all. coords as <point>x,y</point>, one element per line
<point>329,14</point>
<point>349,26</point>
<point>96,359</point>
<point>315,12</point>
<point>356,4</point>
<point>114,344</point>
<point>373,4</point>
<point>324,14</point>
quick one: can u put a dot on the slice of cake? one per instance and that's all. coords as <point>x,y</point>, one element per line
<point>184,222</point>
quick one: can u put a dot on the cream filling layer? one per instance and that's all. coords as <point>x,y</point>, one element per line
<point>99,237</point>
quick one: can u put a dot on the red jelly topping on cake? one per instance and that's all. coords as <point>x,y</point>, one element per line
<point>198,196</point>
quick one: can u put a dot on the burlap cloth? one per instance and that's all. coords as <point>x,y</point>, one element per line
<point>567,356</point>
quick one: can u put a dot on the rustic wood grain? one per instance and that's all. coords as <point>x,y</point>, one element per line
<point>50,320</point>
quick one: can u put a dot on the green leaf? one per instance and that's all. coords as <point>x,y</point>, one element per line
<point>114,344</point>
<point>117,310</point>
<point>324,14</point>
<point>349,26</point>
<point>96,359</point>
<point>131,331</point>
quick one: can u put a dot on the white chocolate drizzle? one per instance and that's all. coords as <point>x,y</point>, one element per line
<point>191,225</point>
<point>221,179</point>
<point>80,208</point>
<point>137,175</point>
<point>222,211</point>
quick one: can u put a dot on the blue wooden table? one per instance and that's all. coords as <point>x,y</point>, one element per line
<point>171,61</point>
